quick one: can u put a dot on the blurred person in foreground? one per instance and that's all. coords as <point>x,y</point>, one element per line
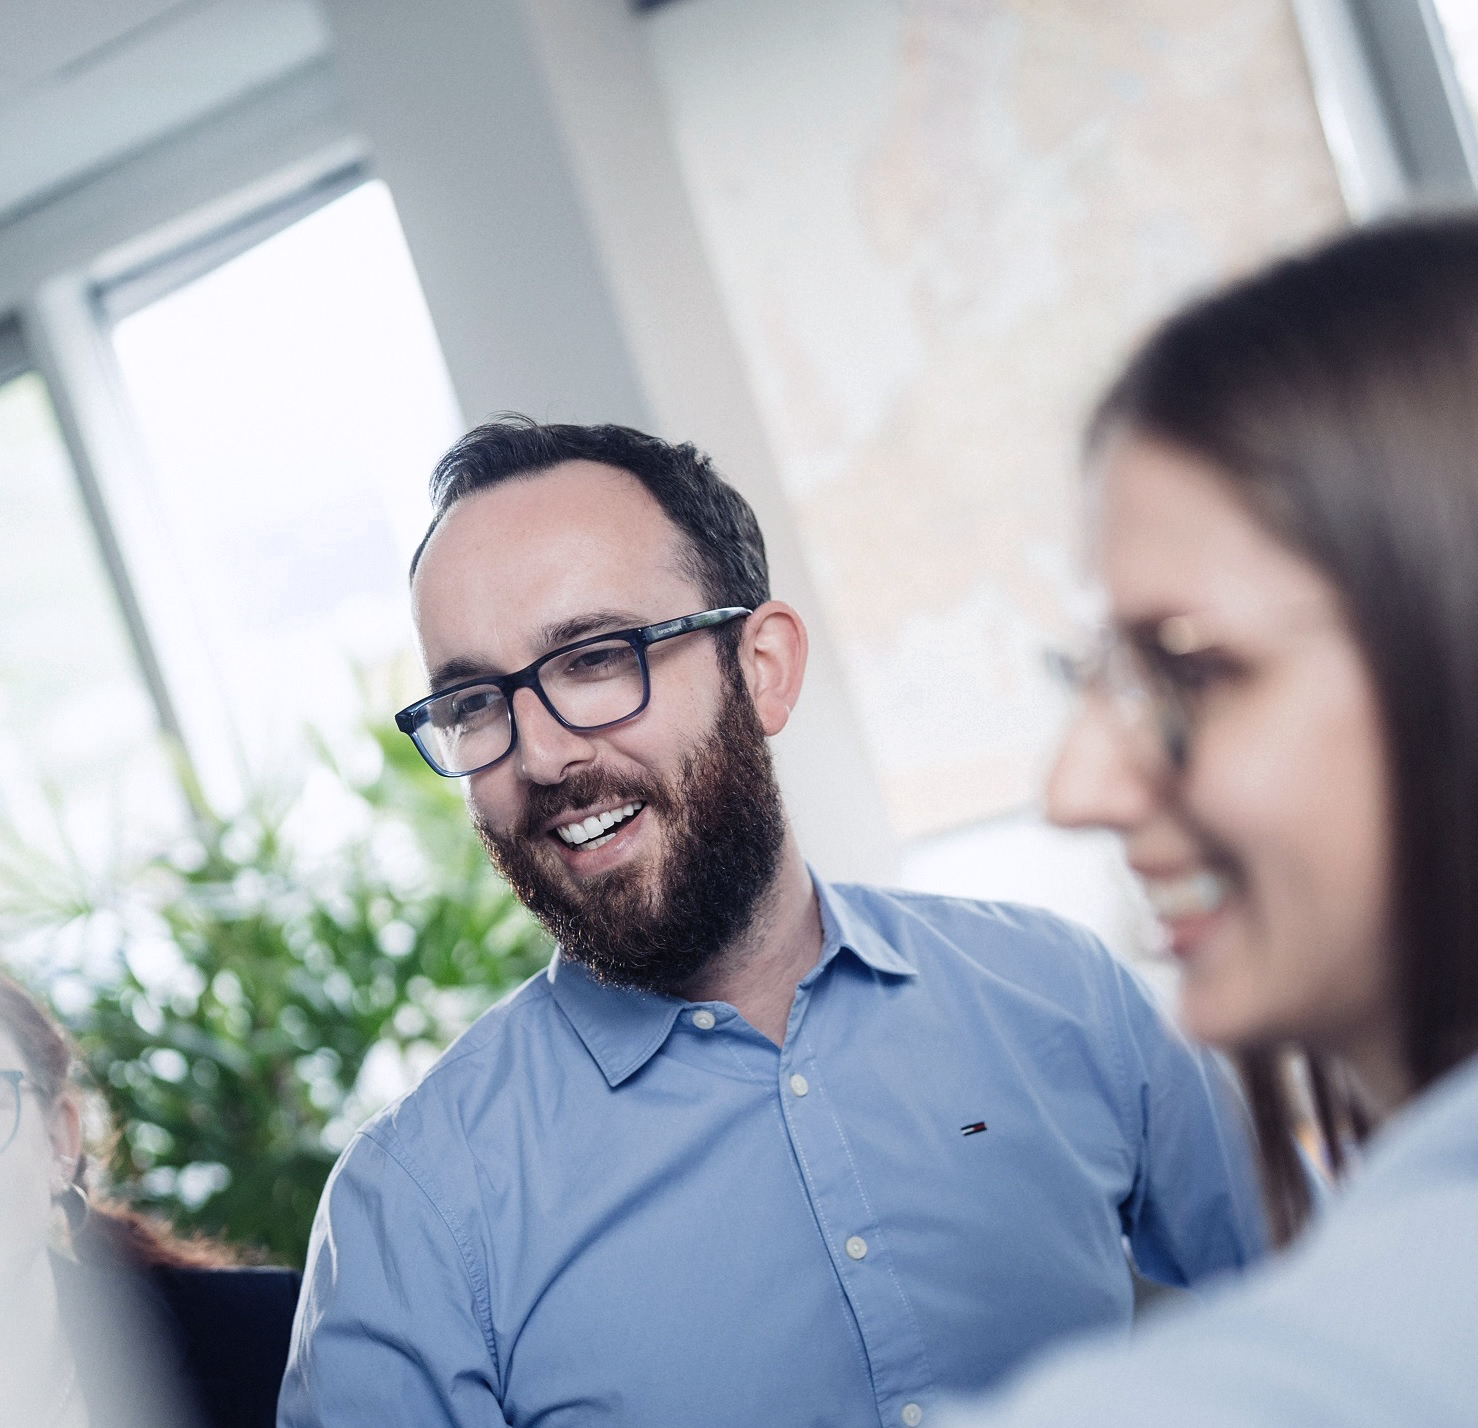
<point>757,1149</point>
<point>1282,722</point>
<point>108,1319</point>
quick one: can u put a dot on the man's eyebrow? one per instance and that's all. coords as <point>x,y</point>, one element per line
<point>454,671</point>
<point>596,622</point>
<point>550,637</point>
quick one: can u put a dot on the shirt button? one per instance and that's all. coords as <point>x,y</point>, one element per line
<point>704,1020</point>
<point>799,1085</point>
<point>912,1415</point>
<point>857,1247</point>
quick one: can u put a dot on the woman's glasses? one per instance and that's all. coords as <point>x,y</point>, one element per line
<point>1149,679</point>
<point>11,1085</point>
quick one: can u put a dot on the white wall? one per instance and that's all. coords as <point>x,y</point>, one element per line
<point>875,254</point>
<point>936,227</point>
<point>535,178</point>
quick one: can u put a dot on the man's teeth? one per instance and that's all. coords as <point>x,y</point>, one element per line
<point>599,827</point>
<point>1191,896</point>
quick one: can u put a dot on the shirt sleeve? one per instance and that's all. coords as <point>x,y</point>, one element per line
<point>390,1328</point>
<point>1208,1382</point>
<point>1195,1209</point>
<point>1365,1323</point>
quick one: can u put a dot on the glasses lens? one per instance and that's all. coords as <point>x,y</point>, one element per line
<point>595,684</point>
<point>1149,717</point>
<point>1150,711</point>
<point>10,1109</point>
<point>467,729</point>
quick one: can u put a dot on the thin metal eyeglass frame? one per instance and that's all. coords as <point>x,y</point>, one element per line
<point>411,719</point>
<point>1172,720</point>
<point>17,1079</point>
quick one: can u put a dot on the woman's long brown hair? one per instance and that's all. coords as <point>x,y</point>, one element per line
<point>1337,395</point>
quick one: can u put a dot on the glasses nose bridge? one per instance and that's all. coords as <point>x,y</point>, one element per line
<point>534,743</point>
<point>526,679</point>
<point>530,678</point>
<point>543,746</point>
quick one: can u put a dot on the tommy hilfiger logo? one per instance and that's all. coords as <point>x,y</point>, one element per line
<point>974,1128</point>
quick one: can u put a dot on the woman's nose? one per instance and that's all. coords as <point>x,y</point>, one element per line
<point>1095,782</point>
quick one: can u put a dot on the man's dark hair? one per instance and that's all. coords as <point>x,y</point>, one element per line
<point>726,552</point>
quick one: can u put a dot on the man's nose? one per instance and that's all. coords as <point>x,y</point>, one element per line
<point>547,752</point>
<point>1095,781</point>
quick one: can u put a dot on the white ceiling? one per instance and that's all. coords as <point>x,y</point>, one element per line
<point>85,82</point>
<point>41,39</point>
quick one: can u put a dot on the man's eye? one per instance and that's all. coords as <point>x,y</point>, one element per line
<point>475,706</point>
<point>599,663</point>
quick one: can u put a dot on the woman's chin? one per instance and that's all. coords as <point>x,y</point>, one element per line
<point>1210,1010</point>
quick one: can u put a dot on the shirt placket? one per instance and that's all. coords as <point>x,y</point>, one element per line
<point>855,1240</point>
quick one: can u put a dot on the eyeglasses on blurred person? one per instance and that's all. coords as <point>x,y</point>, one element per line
<point>10,1104</point>
<point>1282,724</point>
<point>108,1320</point>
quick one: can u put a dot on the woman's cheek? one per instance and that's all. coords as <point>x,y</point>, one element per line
<point>25,1202</point>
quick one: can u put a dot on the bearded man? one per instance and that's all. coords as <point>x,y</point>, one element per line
<point>756,1150</point>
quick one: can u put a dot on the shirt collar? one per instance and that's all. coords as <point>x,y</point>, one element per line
<point>623,1029</point>
<point>843,927</point>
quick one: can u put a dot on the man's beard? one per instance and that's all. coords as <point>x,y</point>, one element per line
<point>655,930</point>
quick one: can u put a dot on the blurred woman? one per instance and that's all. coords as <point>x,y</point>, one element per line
<point>112,1318</point>
<point>1282,722</point>
<point>38,1370</point>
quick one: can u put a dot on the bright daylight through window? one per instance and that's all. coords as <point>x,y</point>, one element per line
<point>1460,27</point>
<point>291,404</point>
<point>78,759</point>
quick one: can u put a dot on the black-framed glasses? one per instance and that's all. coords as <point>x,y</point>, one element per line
<point>592,684</point>
<point>1151,705</point>
<point>10,1105</point>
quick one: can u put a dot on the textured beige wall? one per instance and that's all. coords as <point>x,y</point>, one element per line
<point>937,226</point>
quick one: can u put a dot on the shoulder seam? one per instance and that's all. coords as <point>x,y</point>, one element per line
<point>477,1281</point>
<point>514,1005</point>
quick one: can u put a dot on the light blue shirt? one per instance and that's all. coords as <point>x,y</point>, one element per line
<point>1371,1321</point>
<point>603,1207</point>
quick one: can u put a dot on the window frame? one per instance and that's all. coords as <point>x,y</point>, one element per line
<point>79,260</point>
<point>1396,120</point>
<point>17,360</point>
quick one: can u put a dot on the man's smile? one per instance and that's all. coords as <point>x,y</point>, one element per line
<point>597,829</point>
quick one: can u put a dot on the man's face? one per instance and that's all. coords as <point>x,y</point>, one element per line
<point>521,568</point>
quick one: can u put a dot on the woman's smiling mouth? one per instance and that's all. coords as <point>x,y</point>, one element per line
<point>1196,894</point>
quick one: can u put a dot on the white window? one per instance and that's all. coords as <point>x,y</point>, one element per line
<point>81,772</point>
<point>1459,20</point>
<point>290,405</point>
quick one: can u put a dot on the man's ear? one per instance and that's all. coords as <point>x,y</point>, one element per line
<point>64,1130</point>
<point>772,654</point>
